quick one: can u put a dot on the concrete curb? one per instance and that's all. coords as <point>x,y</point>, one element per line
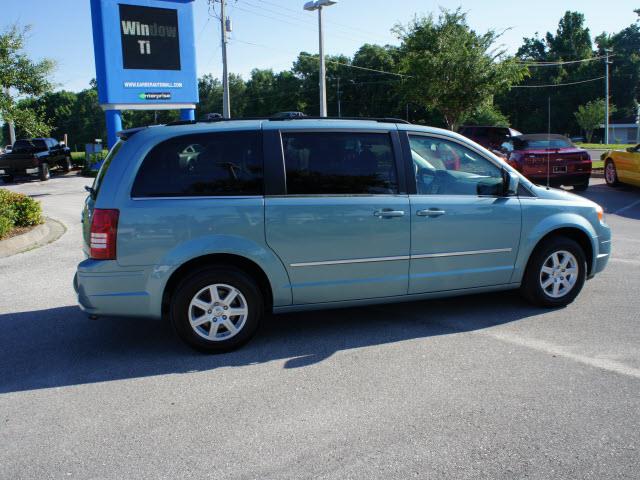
<point>48,232</point>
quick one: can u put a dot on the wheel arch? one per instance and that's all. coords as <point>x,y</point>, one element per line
<point>574,233</point>
<point>216,259</point>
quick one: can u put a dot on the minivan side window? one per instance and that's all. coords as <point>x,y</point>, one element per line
<point>207,164</point>
<point>444,167</point>
<point>326,163</point>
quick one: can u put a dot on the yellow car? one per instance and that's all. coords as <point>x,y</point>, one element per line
<point>622,166</point>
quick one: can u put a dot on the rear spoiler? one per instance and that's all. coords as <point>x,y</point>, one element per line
<point>130,132</point>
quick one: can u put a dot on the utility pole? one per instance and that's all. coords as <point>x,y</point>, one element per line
<point>339,95</point>
<point>317,5</point>
<point>226,100</point>
<point>606,97</point>
<point>12,129</point>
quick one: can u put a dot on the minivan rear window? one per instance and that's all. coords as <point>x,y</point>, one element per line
<point>207,164</point>
<point>105,166</point>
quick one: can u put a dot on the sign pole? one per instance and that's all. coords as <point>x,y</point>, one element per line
<point>114,125</point>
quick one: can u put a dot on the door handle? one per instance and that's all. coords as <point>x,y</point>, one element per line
<point>430,212</point>
<point>388,213</point>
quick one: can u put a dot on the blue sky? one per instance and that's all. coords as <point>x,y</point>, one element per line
<point>269,33</point>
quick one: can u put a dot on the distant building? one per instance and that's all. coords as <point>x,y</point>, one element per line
<point>623,131</point>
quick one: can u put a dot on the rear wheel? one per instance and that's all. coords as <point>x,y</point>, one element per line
<point>611,174</point>
<point>555,274</point>
<point>217,310</point>
<point>44,173</point>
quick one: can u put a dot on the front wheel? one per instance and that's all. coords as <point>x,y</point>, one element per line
<point>555,274</point>
<point>217,310</point>
<point>581,187</point>
<point>67,164</point>
<point>611,174</point>
<point>44,173</point>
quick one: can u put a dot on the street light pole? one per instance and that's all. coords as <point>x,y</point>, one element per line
<point>226,99</point>
<point>606,98</point>
<point>311,6</point>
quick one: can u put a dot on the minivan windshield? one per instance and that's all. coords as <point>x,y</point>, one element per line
<point>105,166</point>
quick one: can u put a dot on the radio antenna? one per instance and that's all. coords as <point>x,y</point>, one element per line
<point>548,139</point>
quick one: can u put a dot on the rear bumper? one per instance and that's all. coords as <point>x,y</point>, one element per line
<point>18,171</point>
<point>567,179</point>
<point>103,288</point>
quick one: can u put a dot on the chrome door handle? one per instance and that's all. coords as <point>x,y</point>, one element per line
<point>388,213</point>
<point>430,212</point>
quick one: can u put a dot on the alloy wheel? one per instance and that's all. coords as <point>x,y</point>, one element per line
<point>218,312</point>
<point>559,274</point>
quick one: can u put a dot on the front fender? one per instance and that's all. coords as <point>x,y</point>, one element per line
<point>536,229</point>
<point>220,244</point>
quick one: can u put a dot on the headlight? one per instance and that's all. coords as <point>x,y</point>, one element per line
<point>600,213</point>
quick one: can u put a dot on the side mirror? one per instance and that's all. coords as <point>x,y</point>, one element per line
<point>510,183</point>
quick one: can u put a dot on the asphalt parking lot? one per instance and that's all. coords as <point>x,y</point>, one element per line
<point>473,387</point>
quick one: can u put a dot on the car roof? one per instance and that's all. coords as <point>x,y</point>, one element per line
<point>160,132</point>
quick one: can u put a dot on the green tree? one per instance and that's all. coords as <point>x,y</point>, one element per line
<point>591,115</point>
<point>21,77</point>
<point>451,68</point>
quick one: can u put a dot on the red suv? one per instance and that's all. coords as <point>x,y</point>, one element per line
<point>543,156</point>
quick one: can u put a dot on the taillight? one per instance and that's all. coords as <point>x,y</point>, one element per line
<point>104,234</point>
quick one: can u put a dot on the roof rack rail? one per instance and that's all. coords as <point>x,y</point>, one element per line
<point>279,117</point>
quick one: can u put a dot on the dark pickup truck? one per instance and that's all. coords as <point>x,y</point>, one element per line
<point>35,156</point>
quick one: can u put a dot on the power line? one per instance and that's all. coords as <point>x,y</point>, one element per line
<point>553,64</point>
<point>559,84</point>
<point>335,62</point>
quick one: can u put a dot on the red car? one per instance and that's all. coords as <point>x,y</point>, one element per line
<point>554,156</point>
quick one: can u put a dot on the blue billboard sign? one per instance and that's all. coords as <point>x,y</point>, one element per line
<point>145,57</point>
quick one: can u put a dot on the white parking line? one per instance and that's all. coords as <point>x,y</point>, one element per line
<point>542,346</point>
<point>631,205</point>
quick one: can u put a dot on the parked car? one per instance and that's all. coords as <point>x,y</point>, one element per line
<point>35,156</point>
<point>304,214</point>
<point>549,158</point>
<point>490,138</point>
<point>622,166</point>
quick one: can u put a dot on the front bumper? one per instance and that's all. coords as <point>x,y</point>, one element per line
<point>105,289</point>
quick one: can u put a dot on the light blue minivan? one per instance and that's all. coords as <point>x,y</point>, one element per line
<point>212,224</point>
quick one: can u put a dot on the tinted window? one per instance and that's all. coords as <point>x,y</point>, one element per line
<point>105,166</point>
<point>35,145</point>
<point>339,163</point>
<point>210,164</point>
<point>443,167</point>
<point>541,144</point>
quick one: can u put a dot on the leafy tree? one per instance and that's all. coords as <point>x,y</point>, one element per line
<point>451,68</point>
<point>625,67</point>
<point>591,115</point>
<point>22,77</point>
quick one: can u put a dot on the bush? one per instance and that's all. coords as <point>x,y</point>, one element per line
<point>5,226</point>
<point>18,210</point>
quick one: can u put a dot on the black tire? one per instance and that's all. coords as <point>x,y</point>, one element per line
<point>581,187</point>
<point>67,164</point>
<point>44,173</point>
<point>189,288</point>
<point>610,173</point>
<point>8,179</point>
<point>532,282</point>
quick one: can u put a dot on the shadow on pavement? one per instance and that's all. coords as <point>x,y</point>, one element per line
<point>615,200</point>
<point>60,346</point>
